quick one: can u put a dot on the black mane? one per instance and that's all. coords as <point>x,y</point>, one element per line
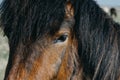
<point>98,39</point>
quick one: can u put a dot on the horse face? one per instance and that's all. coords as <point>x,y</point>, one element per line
<point>50,57</point>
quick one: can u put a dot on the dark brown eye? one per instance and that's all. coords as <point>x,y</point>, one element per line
<point>60,39</point>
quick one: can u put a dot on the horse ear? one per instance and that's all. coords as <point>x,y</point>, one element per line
<point>69,10</point>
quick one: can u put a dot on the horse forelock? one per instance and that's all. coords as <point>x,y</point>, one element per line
<point>31,19</point>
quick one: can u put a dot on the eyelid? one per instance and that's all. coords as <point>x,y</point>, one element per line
<point>60,34</point>
<point>64,31</point>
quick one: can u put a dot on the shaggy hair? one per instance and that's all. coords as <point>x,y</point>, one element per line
<point>97,34</point>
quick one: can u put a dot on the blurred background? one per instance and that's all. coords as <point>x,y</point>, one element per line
<point>112,7</point>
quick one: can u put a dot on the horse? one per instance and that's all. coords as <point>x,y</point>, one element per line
<point>60,40</point>
<point>113,12</point>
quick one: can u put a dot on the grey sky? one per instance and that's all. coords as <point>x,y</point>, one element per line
<point>109,2</point>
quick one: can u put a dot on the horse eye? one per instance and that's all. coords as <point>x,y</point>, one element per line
<point>62,38</point>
